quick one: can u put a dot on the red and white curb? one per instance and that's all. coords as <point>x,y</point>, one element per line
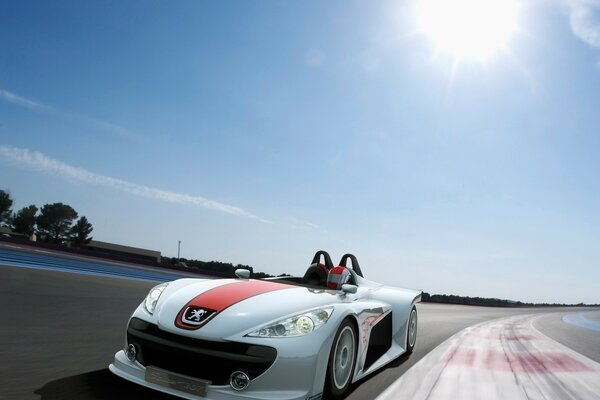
<point>502,359</point>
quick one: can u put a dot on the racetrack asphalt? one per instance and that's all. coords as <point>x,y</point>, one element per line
<point>60,330</point>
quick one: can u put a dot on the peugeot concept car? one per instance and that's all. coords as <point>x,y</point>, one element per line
<point>281,338</point>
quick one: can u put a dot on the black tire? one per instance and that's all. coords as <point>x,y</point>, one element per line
<point>343,351</point>
<point>411,330</point>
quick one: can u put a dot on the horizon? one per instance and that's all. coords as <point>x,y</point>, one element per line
<point>258,133</point>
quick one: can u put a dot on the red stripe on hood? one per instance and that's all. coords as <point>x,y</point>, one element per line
<point>224,296</point>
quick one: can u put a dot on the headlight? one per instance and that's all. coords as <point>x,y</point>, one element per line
<point>153,296</point>
<point>298,325</point>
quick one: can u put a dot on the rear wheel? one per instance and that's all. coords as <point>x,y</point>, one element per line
<point>341,360</point>
<point>411,330</point>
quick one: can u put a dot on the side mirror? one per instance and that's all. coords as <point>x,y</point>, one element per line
<point>242,273</point>
<point>347,288</point>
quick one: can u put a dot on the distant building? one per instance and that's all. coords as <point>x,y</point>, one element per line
<point>5,230</point>
<point>95,246</point>
<point>125,251</point>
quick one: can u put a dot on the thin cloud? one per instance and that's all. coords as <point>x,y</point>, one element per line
<point>301,224</point>
<point>584,17</point>
<point>81,119</point>
<point>38,161</point>
<point>23,102</point>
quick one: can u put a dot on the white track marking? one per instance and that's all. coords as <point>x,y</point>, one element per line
<point>44,251</point>
<point>502,359</point>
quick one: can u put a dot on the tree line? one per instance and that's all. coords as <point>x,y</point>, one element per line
<point>55,223</point>
<point>489,302</point>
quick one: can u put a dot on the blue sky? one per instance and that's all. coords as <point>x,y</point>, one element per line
<point>259,132</point>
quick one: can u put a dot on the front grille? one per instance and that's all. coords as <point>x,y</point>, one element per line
<point>204,359</point>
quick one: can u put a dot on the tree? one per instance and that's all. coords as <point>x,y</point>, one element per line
<point>55,221</point>
<point>5,207</point>
<point>24,220</point>
<point>80,232</point>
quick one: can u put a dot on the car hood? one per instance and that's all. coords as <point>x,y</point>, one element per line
<point>229,307</point>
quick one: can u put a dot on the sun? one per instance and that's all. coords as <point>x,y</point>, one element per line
<point>468,28</point>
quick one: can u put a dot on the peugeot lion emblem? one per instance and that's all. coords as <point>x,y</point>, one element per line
<point>196,315</point>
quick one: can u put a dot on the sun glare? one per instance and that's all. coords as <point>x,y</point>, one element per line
<point>468,28</point>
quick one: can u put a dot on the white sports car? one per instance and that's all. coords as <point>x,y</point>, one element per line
<point>282,338</point>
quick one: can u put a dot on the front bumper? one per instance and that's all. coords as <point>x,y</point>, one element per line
<point>134,372</point>
<point>297,373</point>
<point>208,360</point>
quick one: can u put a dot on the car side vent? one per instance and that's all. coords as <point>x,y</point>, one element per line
<point>380,340</point>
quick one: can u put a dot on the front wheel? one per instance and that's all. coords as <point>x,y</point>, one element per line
<point>341,360</point>
<point>411,330</point>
